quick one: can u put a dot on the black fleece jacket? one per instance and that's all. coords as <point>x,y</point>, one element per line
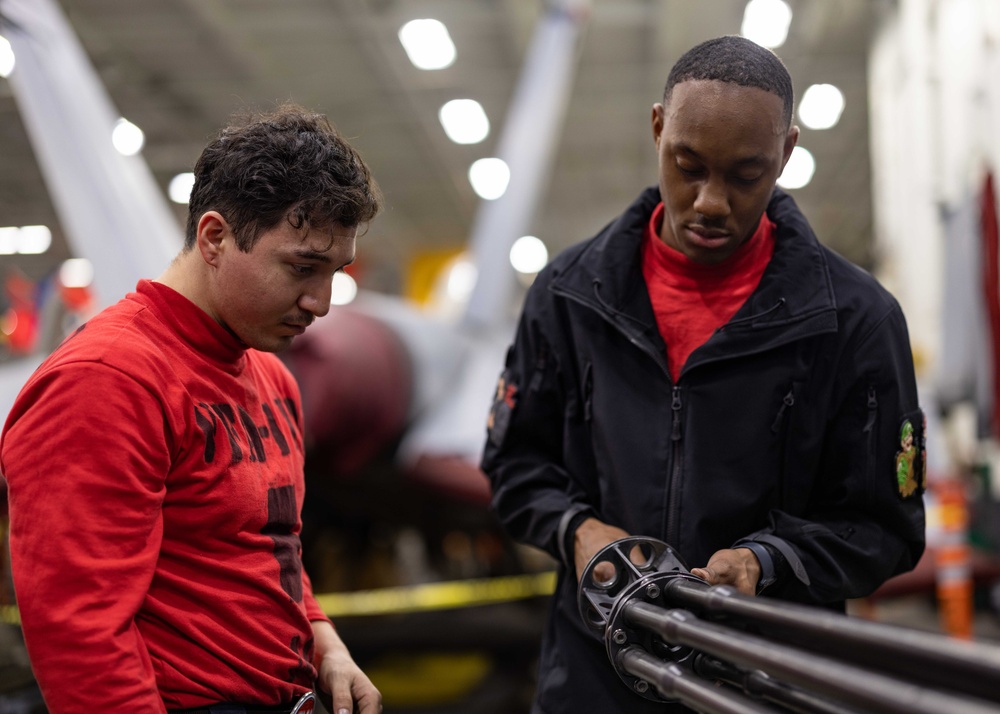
<point>783,428</point>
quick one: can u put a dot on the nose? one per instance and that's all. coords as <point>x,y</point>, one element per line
<point>712,200</point>
<point>316,298</point>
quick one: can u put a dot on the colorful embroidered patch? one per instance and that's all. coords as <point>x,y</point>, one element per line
<point>906,470</point>
<point>504,402</point>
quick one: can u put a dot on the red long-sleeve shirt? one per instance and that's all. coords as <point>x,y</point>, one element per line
<point>692,300</point>
<point>155,480</point>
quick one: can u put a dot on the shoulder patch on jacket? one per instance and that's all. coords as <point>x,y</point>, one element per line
<point>911,459</point>
<point>504,402</point>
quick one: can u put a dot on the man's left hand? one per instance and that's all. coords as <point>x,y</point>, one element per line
<point>738,567</point>
<point>339,678</point>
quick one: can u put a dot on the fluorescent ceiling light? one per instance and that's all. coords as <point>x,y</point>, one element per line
<point>489,178</point>
<point>799,170</point>
<point>34,240</point>
<point>766,22</point>
<point>26,240</point>
<point>528,255</point>
<point>821,106</point>
<point>127,137</point>
<point>464,121</point>
<point>427,44</point>
<point>6,57</point>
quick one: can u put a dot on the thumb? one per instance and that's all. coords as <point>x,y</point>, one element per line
<point>705,573</point>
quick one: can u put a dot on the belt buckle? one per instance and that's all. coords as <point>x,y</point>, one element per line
<point>305,705</point>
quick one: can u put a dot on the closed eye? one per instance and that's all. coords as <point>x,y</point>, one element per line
<point>689,170</point>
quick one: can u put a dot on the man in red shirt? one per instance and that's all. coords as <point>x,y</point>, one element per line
<point>155,460</point>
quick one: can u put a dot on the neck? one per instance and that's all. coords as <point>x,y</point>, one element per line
<point>186,275</point>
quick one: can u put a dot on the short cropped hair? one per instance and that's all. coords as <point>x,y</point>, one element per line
<point>289,164</point>
<point>736,60</point>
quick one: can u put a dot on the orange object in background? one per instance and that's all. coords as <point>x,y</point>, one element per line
<point>948,515</point>
<point>19,323</point>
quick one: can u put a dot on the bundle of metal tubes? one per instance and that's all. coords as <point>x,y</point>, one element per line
<point>672,637</point>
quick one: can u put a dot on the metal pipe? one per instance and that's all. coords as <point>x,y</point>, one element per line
<point>923,657</point>
<point>676,683</point>
<point>762,685</point>
<point>873,692</point>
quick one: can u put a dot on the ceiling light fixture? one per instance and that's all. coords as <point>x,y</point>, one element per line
<point>528,255</point>
<point>127,137</point>
<point>766,22</point>
<point>76,273</point>
<point>6,57</point>
<point>427,44</point>
<point>464,121</point>
<point>821,106</point>
<point>180,187</point>
<point>489,178</point>
<point>25,240</point>
<point>799,170</point>
<point>344,290</point>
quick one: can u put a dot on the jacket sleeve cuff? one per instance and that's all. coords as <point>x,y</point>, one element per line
<point>568,524</point>
<point>781,547</point>
<point>769,563</point>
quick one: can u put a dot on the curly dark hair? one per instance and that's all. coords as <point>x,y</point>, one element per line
<point>289,164</point>
<point>736,60</point>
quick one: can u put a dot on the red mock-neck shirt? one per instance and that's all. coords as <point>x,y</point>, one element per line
<point>692,300</point>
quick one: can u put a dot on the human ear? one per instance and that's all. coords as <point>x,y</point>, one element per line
<point>658,120</point>
<point>210,236</point>
<point>791,139</point>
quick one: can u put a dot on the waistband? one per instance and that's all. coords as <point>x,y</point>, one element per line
<point>303,705</point>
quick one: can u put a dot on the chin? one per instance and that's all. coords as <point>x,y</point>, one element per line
<point>269,344</point>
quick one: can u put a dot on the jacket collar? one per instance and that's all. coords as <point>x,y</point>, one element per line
<point>795,296</point>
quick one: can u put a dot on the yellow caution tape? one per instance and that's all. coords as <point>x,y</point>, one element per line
<point>437,596</point>
<point>413,598</point>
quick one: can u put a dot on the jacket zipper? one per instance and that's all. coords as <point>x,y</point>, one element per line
<point>671,507</point>
<point>788,401</point>
<point>673,486</point>
<point>869,430</point>
<point>872,409</point>
<point>536,378</point>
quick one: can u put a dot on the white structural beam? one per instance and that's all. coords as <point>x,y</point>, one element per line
<point>527,145</point>
<point>110,207</point>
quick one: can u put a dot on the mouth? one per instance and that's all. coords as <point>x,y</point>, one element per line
<point>295,327</point>
<point>707,237</point>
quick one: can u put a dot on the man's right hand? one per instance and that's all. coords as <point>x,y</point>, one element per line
<point>591,536</point>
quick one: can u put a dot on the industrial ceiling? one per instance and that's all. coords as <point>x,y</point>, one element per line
<point>179,69</point>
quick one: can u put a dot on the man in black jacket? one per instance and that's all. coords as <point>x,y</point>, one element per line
<point>703,371</point>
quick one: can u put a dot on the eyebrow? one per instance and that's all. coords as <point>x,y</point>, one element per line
<point>307,254</point>
<point>750,160</point>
